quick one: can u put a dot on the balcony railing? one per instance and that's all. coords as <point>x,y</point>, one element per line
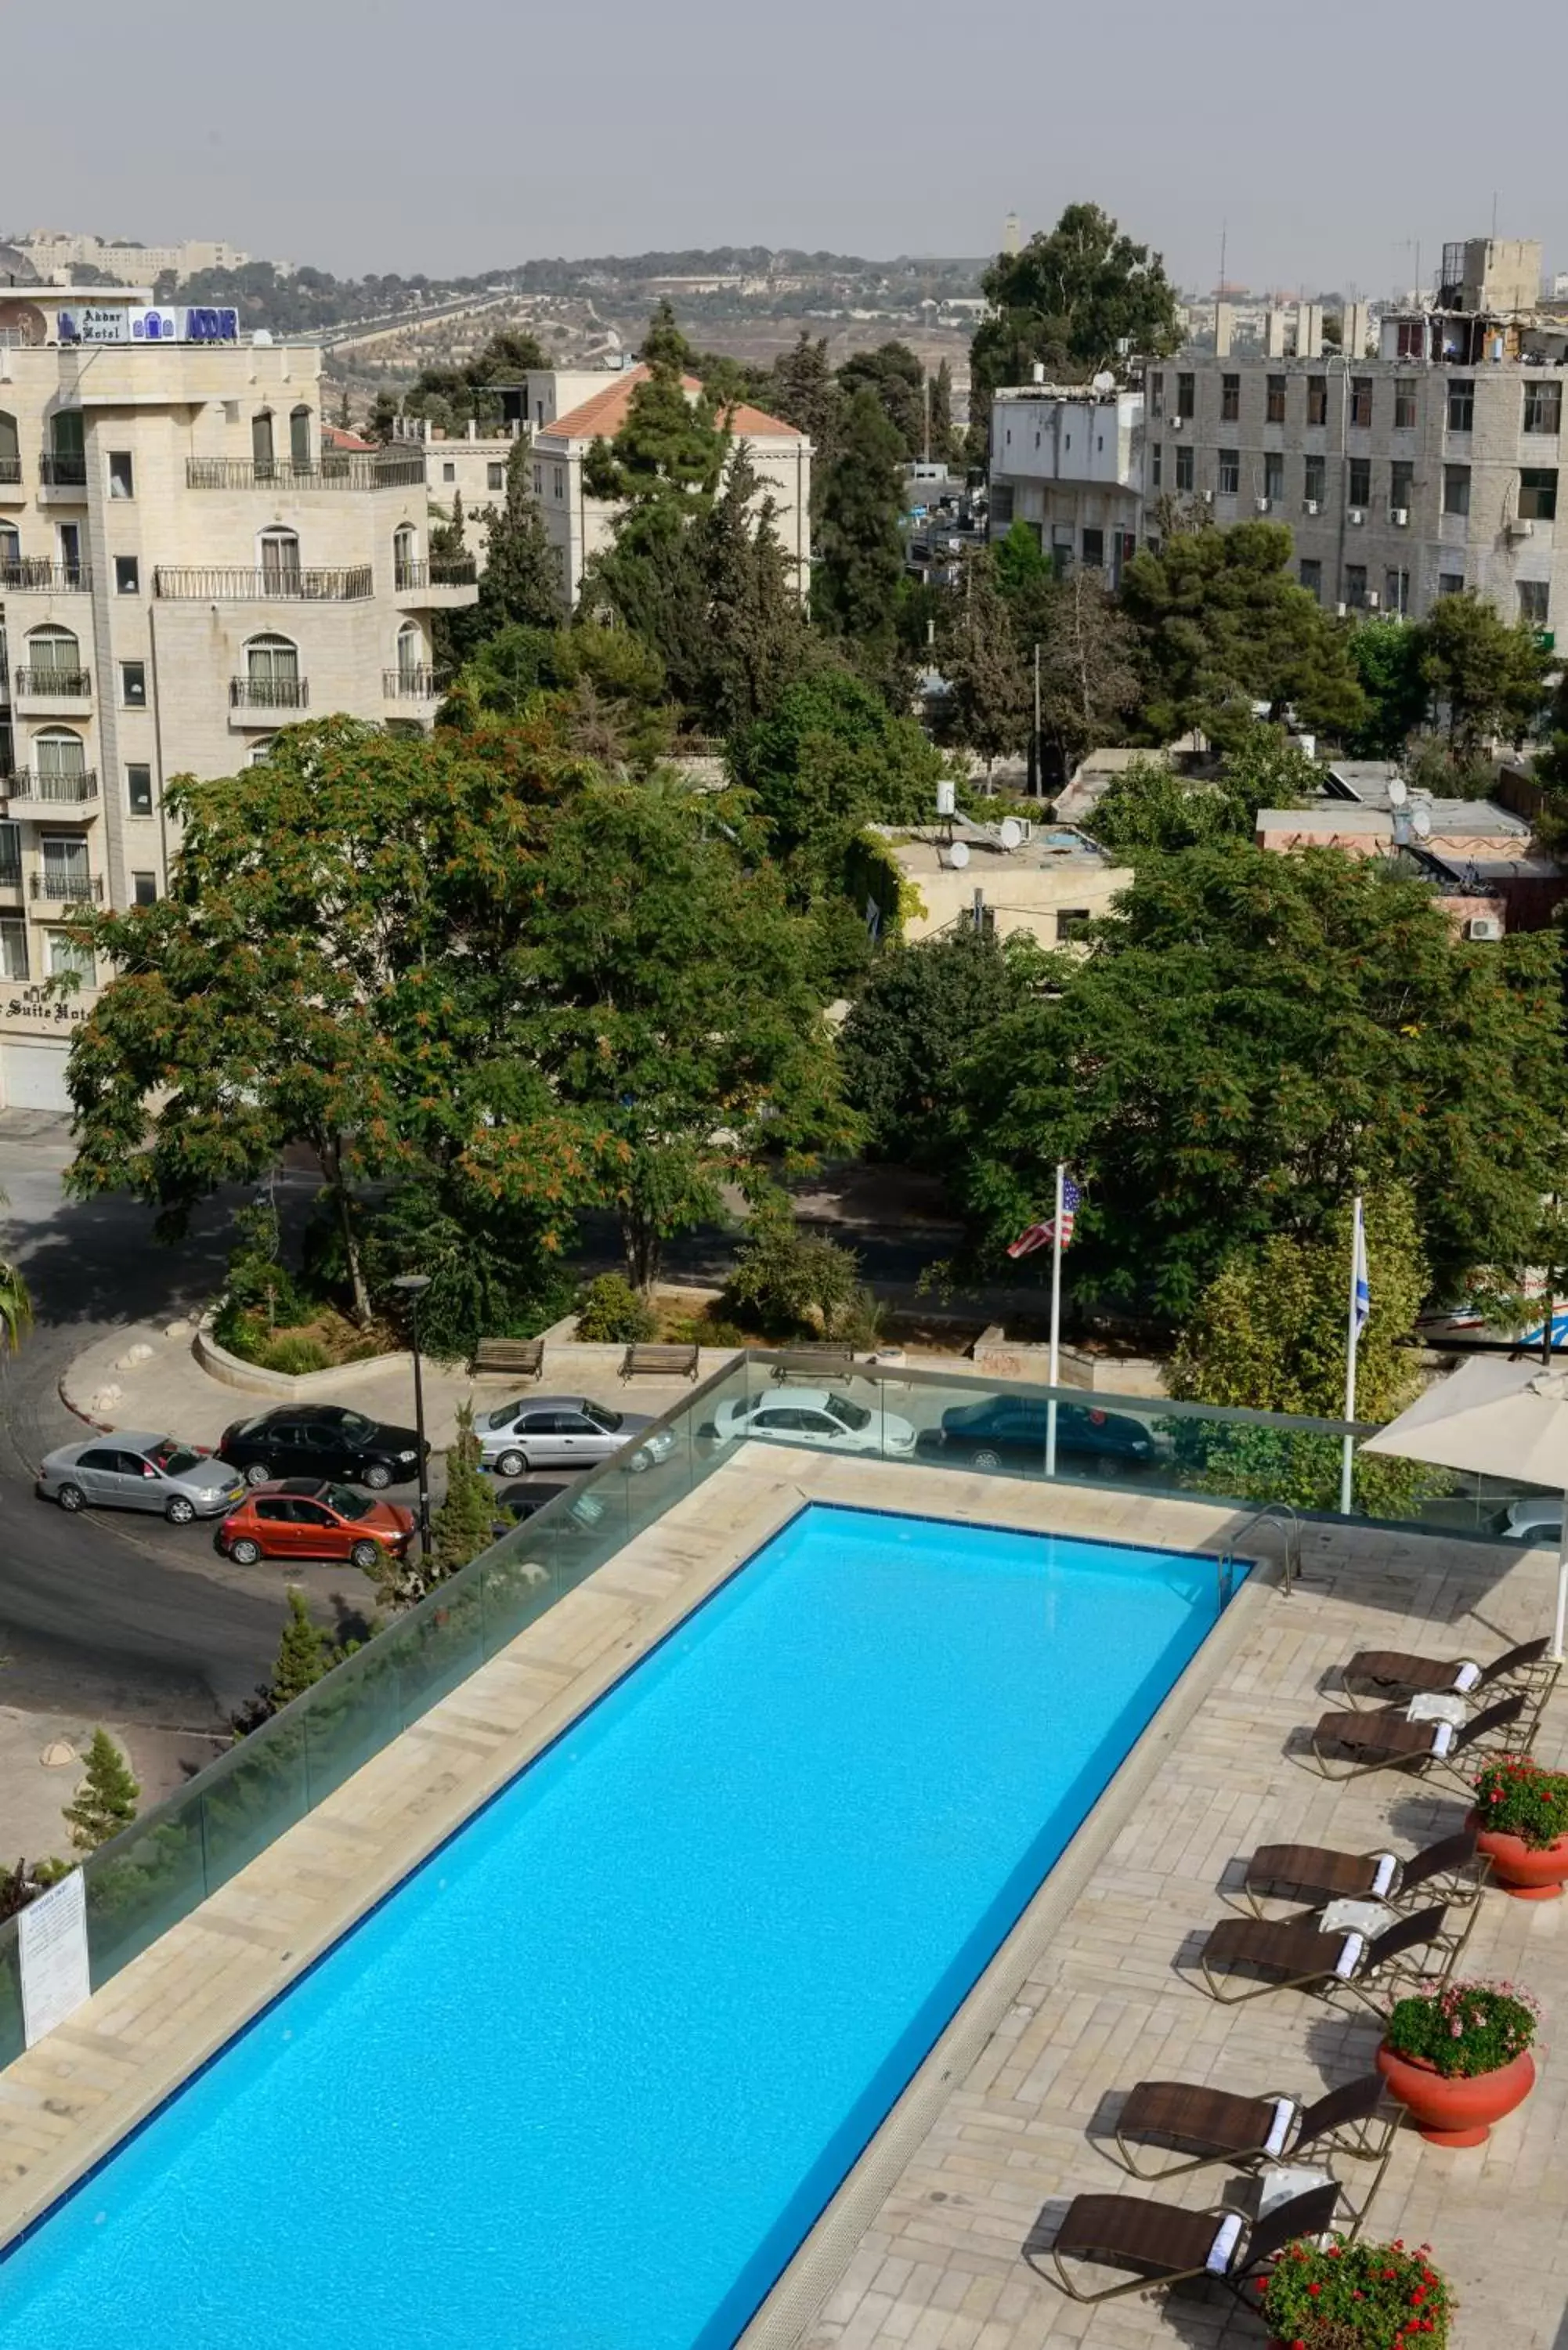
<point>334,473</point>
<point>421,684</point>
<point>62,472</point>
<point>67,888</point>
<point>64,791</point>
<point>269,693</point>
<point>10,472</point>
<point>35,576</point>
<point>61,684</point>
<point>182,585</point>
<point>463,573</point>
<point>10,873</point>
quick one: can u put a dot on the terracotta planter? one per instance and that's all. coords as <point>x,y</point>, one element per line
<point>1457,2112</point>
<point>1528,1875</point>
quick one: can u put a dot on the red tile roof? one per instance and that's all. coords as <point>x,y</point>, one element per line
<point>605,412</point>
<point>335,437</point>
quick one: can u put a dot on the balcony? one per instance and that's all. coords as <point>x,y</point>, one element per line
<point>54,692</point>
<point>29,794</point>
<point>424,587</point>
<point>418,684</point>
<point>58,888</point>
<point>11,490</point>
<point>269,695</point>
<point>10,873</point>
<point>182,584</point>
<point>33,575</point>
<point>65,476</point>
<point>400,472</point>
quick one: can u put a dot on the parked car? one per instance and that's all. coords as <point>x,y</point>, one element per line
<point>564,1433</point>
<point>310,1518</point>
<point>1538,1519</point>
<point>583,1515</point>
<point>1007,1431</point>
<point>814,1416</point>
<point>319,1441</point>
<point>123,1472</point>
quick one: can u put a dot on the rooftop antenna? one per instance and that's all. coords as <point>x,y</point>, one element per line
<point>1224,233</point>
<point>1494,216</point>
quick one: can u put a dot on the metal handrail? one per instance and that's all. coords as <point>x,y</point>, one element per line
<point>333,473</point>
<point>34,575</point>
<point>460,573</point>
<point>198,584</point>
<point>419,684</point>
<point>1288,1518</point>
<point>66,790</point>
<point>69,684</point>
<point>10,470</point>
<point>67,888</point>
<point>269,693</point>
<point>62,472</point>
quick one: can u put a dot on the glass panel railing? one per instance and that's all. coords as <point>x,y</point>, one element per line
<point>144,1882</point>
<point>11,2035</point>
<point>253,1793</point>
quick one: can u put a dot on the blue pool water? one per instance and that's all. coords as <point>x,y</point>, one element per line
<point>588,2078</point>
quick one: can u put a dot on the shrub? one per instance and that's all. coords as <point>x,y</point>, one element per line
<point>1516,1796</point>
<point>292,1353</point>
<point>1369,2295</point>
<point>612,1311</point>
<point>789,1282</point>
<point>1463,2028</point>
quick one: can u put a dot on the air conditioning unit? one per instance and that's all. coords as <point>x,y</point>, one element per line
<point>1400,517</point>
<point>1373,600</point>
<point>1207,497</point>
<point>1357,516</point>
<point>1484,926</point>
<point>1177,422</point>
<point>1309,506</point>
<point>1520,527</point>
<point>1262,504</point>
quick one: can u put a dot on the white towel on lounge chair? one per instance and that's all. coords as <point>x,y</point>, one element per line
<point>1222,2250</point>
<point>1467,1677</point>
<point>1280,2127</point>
<point>1442,1738</point>
<point>1350,1957</point>
<point>1382,1874</point>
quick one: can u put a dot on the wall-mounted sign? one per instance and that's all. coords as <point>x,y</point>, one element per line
<point>95,322</point>
<point>52,1945</point>
<point>102,322</point>
<point>36,1004</point>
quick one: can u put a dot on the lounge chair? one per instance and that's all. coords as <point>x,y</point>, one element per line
<point>1203,2126</point>
<point>1299,1956</point>
<point>1312,1875</point>
<point>1165,2246</point>
<point>1387,1741</point>
<point>1387,1674</point>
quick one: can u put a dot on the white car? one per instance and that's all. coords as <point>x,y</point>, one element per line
<point>1537,1520</point>
<point>814,1416</point>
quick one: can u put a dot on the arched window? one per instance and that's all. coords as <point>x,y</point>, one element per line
<point>54,650</point>
<point>58,752</point>
<point>411,652</point>
<point>10,556</point>
<point>272,674</point>
<point>280,561</point>
<point>10,448</point>
<point>65,463</point>
<point>261,752</point>
<point>405,552</point>
<point>261,442</point>
<point>299,440</point>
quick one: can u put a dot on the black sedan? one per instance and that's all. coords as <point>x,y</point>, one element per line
<point>1009,1432</point>
<point>321,1440</point>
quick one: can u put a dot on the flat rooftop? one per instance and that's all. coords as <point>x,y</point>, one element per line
<point>922,848</point>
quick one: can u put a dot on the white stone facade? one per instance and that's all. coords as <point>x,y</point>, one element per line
<point>1068,463</point>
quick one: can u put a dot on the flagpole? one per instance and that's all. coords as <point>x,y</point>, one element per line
<point>1055,1320</point>
<point>1352,1339</point>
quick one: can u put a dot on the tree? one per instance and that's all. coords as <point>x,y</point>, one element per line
<point>897,379</point>
<point>942,439</point>
<point>786,1282</point>
<point>1385,655</point>
<point>304,1654</point>
<point>521,583</point>
<point>988,707</point>
<point>829,757</point>
<point>803,390</point>
<point>1070,300</point>
<point>922,1012</point>
<point>1088,664</point>
<point>1223,627</point>
<point>15,1304</point>
<point>756,636</point>
<point>107,1799</point>
<point>1255,1038</point>
<point>464,1524</point>
<point>860,552</point>
<point>601,690</point>
<point>1490,677</point>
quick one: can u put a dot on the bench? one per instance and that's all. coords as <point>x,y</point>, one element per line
<point>660,1362</point>
<point>523,1357</point>
<point>814,1363</point>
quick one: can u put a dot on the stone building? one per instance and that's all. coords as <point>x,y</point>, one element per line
<point>1069,462</point>
<point>187,564</point>
<point>1047,879</point>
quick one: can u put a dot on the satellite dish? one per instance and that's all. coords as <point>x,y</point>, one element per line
<point>1103,381</point>
<point>1011,833</point>
<point>1421,823</point>
<point>1397,793</point>
<point>958,856</point>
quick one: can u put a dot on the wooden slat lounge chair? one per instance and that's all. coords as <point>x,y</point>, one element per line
<point>1200,2125</point>
<point>1164,2246</point>
<point>1312,1874</point>
<point>1387,1674</point>
<point>1296,1954</point>
<point>1348,1745</point>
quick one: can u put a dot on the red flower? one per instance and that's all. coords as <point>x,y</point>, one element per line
<point>1314,2290</point>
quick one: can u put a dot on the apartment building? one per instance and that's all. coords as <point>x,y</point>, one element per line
<point>1410,468</point>
<point>52,251</point>
<point>187,564</point>
<point>1069,462</point>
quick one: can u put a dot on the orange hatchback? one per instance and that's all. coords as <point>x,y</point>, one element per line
<point>305,1517</point>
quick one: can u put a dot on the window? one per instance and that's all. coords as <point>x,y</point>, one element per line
<point>1317,400</point>
<point>1184,466</point>
<point>262,752</point>
<point>133,684</point>
<point>299,440</point>
<point>1315,474</point>
<point>411,652</point>
<point>1455,489</point>
<point>1538,494</point>
<point>1450,583</point>
<point>1072,922</point>
<point>1534,599</point>
<point>1411,340</point>
<point>1401,480</point>
<point>1361,482</point>
<point>1230,399</point>
<point>1361,399</point>
<point>1229,471</point>
<point>10,548</point>
<point>1155,396</point>
<point>139,789</point>
<point>560,473</point>
<point>448,471</point>
<point>261,442</point>
<point>273,662</point>
<point>55,654</point>
<point>144,889</point>
<point>127,576</point>
<point>1186,395</point>
<point>1274,404</point>
<point>10,448</point>
<point>1544,407</point>
<point>13,947</point>
<point>1355,585</point>
<point>538,481</point>
<point>1001,504</point>
<point>1404,407</point>
<point>405,551</point>
<point>10,856</point>
<point>60,752</point>
<point>1156,466</point>
<point>68,954</point>
<point>280,562</point>
<point>121,474</point>
<point>1274,477</point>
<point>70,541</point>
<point>1095,549</point>
<point>496,476</point>
<point>1461,407</point>
<point>1396,592</point>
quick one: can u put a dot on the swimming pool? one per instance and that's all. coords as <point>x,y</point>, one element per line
<point>584,2081</point>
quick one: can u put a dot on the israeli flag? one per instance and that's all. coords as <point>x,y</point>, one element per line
<point>1362,1305</point>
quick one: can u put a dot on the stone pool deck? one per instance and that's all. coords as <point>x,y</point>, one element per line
<point>928,2245</point>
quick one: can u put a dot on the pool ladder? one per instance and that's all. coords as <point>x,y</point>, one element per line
<point>1283,1515</point>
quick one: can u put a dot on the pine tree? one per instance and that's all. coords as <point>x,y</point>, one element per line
<point>756,636</point>
<point>344,413</point>
<point>943,442</point>
<point>107,1799</point>
<point>805,392</point>
<point>463,1526</point>
<point>304,1654</point>
<point>989,704</point>
<point>861,553</point>
<point>522,582</point>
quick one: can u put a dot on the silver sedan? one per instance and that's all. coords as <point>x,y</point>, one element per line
<point>125,1471</point>
<point>564,1433</point>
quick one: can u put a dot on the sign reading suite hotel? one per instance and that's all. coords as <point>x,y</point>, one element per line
<point>52,1945</point>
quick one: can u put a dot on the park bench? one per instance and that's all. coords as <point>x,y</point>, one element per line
<point>660,1362</point>
<point>797,1363</point>
<point>523,1357</point>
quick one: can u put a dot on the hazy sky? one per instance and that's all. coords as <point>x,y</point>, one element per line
<point>379,134</point>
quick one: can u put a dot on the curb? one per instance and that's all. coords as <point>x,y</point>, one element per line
<point>103,1427</point>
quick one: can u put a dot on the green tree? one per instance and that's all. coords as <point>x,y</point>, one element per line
<point>787,1283</point>
<point>305,1654</point>
<point>756,636</point>
<point>803,390</point>
<point>1385,655</point>
<point>1223,626</point>
<point>897,379</point>
<point>521,583</point>
<point>464,1524</point>
<point>1488,676</point>
<point>860,552</point>
<point>989,706</point>
<point>923,1009</point>
<point>830,756</point>
<point>15,1304</point>
<point>107,1799</point>
<point>1255,1038</point>
<point>946,448</point>
<point>1070,299</point>
<point>1088,662</point>
<point>1153,809</point>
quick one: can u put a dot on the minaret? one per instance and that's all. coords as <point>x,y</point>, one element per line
<point>1012,235</point>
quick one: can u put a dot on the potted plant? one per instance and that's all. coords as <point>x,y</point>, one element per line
<point>1356,2296</point>
<point>1457,2054</point>
<point>1522,1811</point>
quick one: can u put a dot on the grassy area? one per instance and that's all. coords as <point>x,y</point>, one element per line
<point>321,1344</point>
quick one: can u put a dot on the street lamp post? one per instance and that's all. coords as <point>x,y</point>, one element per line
<point>413,1286</point>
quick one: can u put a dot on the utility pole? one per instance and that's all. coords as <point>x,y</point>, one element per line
<point>1036,781</point>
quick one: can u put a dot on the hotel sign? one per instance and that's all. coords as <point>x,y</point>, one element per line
<point>37,1004</point>
<point>107,322</point>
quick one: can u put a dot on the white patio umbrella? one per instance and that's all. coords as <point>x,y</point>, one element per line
<point>1501,1419</point>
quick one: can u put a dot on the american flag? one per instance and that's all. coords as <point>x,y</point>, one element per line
<point>1042,1235</point>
